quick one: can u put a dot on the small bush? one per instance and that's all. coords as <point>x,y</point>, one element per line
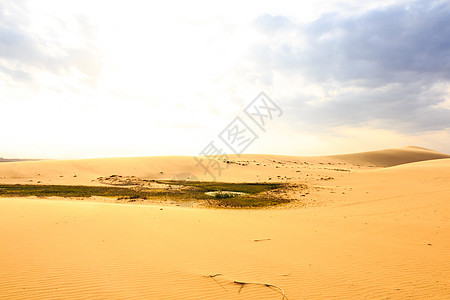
<point>224,195</point>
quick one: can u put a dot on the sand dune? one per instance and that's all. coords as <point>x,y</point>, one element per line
<point>376,233</point>
<point>391,157</point>
<point>244,168</point>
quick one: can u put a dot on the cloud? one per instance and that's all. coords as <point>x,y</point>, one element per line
<point>272,24</point>
<point>397,41</point>
<point>388,66</point>
<point>394,41</point>
<point>403,108</point>
<point>17,75</point>
<point>25,52</point>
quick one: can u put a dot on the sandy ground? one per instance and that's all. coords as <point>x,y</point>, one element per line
<point>380,230</point>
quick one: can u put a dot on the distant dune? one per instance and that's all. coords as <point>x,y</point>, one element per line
<point>372,225</point>
<point>391,157</point>
<point>3,160</point>
<point>247,167</point>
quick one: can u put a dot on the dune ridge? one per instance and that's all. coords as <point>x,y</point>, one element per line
<point>244,168</point>
<point>378,233</point>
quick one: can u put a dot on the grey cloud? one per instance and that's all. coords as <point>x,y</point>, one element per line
<point>380,44</point>
<point>272,24</point>
<point>15,44</point>
<point>405,109</point>
<point>396,41</point>
<point>16,74</point>
<point>23,52</point>
<point>395,56</point>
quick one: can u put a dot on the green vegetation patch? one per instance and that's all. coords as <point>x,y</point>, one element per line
<point>254,194</point>
<point>208,186</point>
<point>249,202</point>
<point>25,190</point>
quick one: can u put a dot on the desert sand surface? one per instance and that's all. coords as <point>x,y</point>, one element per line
<point>373,225</point>
<point>243,168</point>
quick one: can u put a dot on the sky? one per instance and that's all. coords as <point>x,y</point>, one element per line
<point>81,79</point>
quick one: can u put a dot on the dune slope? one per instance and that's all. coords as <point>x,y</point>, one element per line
<point>383,233</point>
<point>246,167</point>
<point>391,157</point>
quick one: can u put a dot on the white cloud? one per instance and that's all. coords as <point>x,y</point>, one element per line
<point>83,78</point>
